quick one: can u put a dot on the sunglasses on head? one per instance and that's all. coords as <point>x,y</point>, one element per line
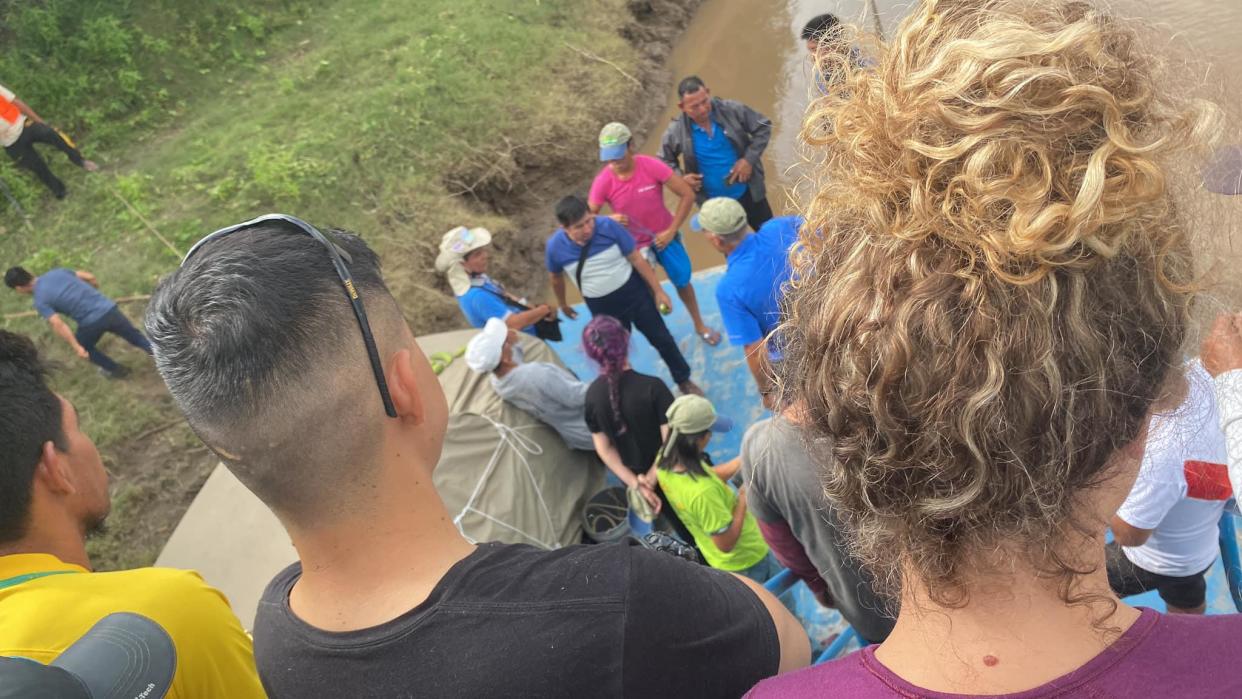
<point>339,257</point>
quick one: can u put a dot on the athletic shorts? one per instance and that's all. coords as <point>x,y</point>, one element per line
<point>674,259</point>
<point>1183,592</point>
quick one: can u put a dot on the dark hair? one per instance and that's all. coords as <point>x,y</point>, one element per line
<point>687,452</point>
<point>30,416</point>
<point>689,84</point>
<point>821,27</point>
<point>17,276</point>
<point>571,209</point>
<point>607,344</point>
<point>260,348</point>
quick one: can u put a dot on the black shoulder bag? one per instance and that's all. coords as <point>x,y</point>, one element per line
<point>548,330</point>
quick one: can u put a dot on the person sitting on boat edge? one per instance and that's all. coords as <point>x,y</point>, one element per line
<point>53,494</point>
<point>552,394</point>
<point>992,295</point>
<point>717,517</point>
<point>464,257</point>
<point>336,423</point>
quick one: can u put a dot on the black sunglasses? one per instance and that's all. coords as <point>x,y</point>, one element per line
<point>339,258</point>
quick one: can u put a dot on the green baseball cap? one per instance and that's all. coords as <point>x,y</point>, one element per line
<point>720,215</point>
<point>691,414</point>
<point>614,138</point>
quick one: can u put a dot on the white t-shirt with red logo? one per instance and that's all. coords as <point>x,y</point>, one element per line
<point>1182,485</point>
<point>12,121</point>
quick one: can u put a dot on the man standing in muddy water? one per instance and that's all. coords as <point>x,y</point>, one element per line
<point>717,145</point>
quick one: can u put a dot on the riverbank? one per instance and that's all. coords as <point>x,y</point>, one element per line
<point>395,119</point>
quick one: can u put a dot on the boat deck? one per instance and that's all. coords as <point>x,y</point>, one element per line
<point>722,373</point>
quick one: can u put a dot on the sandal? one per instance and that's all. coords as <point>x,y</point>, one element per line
<point>711,337</point>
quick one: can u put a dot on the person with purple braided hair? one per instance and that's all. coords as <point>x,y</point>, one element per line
<point>624,409</point>
<point>625,412</point>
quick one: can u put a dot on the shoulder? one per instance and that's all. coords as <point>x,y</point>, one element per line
<point>179,600</point>
<point>732,105</point>
<point>651,383</point>
<point>603,180</point>
<point>784,225</point>
<point>608,227</point>
<point>756,436</point>
<point>597,387</point>
<point>1174,648</point>
<point>844,677</point>
<point>519,574</point>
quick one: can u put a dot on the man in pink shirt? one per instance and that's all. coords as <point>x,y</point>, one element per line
<point>633,187</point>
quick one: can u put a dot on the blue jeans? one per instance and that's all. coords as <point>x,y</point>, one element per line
<point>762,571</point>
<point>114,322</point>
<point>633,304</point>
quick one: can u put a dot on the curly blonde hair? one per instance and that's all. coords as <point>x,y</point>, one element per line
<point>993,281</point>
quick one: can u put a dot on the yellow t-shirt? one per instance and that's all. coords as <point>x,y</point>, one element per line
<point>41,617</point>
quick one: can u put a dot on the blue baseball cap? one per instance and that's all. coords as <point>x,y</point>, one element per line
<point>614,139</point>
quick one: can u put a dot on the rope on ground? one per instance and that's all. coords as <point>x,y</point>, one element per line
<point>157,429</point>
<point>31,314</point>
<point>605,61</point>
<point>8,194</point>
<point>145,222</point>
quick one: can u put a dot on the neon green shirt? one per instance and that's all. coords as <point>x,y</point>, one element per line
<point>705,506</point>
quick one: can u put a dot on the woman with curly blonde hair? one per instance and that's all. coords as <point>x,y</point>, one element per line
<point>993,290</point>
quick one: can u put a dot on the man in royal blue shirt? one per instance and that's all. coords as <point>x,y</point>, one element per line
<point>75,294</point>
<point>614,278</point>
<point>758,268</point>
<point>718,144</point>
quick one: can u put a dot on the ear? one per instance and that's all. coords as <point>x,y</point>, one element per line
<point>715,242</point>
<point>53,470</point>
<point>403,386</point>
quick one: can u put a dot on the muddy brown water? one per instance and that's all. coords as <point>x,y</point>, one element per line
<point>749,51</point>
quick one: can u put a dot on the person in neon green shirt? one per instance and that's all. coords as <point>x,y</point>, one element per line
<point>53,490</point>
<point>716,516</point>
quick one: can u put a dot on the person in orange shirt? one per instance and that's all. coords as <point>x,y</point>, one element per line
<point>21,128</point>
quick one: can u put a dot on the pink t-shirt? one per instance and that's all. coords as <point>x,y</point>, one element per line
<point>1159,656</point>
<point>641,197</point>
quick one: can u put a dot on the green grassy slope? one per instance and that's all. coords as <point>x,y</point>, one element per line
<point>393,118</point>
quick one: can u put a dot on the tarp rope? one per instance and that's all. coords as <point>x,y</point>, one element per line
<point>521,445</point>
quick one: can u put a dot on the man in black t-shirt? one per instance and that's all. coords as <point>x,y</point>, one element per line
<point>388,599</point>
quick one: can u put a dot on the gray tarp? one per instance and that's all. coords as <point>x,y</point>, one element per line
<point>504,475</point>
<point>237,544</point>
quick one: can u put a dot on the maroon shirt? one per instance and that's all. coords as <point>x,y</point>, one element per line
<point>1159,656</point>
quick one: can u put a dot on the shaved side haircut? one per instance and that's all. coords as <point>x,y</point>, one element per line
<point>258,344</point>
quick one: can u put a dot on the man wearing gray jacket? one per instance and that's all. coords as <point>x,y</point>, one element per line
<point>717,145</point>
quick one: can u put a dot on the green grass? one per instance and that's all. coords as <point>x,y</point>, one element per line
<point>394,118</point>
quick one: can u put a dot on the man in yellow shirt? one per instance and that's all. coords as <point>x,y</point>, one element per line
<point>53,490</point>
